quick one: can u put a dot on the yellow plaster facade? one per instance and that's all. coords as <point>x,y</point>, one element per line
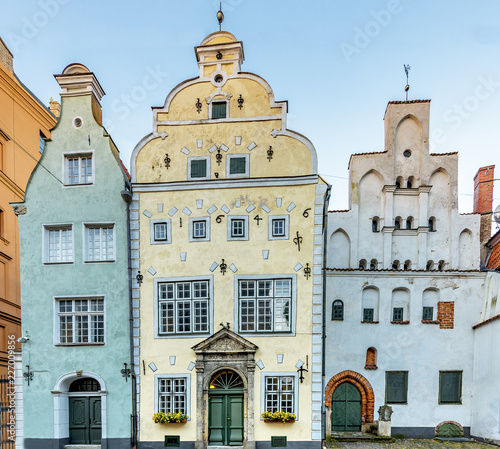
<point>252,186</point>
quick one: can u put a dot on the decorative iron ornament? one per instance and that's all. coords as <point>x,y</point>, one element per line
<point>139,278</point>
<point>241,100</point>
<point>28,375</point>
<point>307,271</point>
<point>220,17</point>
<point>219,55</point>
<point>303,370</point>
<point>180,222</point>
<point>126,372</point>
<point>407,87</point>
<point>167,161</point>
<point>223,267</point>
<point>298,240</point>
<point>270,153</point>
<point>198,105</point>
<point>218,156</point>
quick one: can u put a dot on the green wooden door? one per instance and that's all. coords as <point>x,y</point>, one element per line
<point>225,419</point>
<point>85,420</point>
<point>346,408</point>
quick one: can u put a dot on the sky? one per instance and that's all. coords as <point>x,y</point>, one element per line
<point>337,63</point>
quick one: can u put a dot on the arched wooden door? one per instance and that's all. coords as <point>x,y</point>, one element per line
<point>346,408</point>
<point>225,409</point>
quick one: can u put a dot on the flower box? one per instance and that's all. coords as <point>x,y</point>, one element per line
<point>170,418</point>
<point>278,416</point>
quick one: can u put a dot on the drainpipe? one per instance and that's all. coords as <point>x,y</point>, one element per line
<point>323,331</point>
<point>127,197</point>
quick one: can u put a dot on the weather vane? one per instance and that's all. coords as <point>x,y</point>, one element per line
<point>407,87</point>
<point>220,16</point>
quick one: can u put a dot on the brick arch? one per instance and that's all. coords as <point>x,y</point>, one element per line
<point>364,387</point>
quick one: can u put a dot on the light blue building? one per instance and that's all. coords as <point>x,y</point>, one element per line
<point>75,282</point>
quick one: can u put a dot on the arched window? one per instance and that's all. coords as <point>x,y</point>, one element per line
<point>399,182</point>
<point>337,310</point>
<point>369,305</point>
<point>410,183</point>
<point>373,264</point>
<point>432,224</point>
<point>409,223</point>
<point>371,359</point>
<point>441,265</point>
<point>430,265</point>
<point>84,384</point>
<point>375,224</point>
<point>397,223</point>
<point>395,265</point>
<point>362,264</point>
<point>407,265</point>
<point>400,305</point>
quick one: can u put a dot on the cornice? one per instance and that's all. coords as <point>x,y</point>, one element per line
<point>11,185</point>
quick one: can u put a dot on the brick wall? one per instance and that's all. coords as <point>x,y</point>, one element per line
<point>446,314</point>
<point>6,56</point>
<point>483,199</point>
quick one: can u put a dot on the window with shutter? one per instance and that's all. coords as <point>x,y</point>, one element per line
<point>396,387</point>
<point>219,109</point>
<point>450,387</point>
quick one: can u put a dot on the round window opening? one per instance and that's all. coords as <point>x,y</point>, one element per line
<point>218,79</point>
<point>407,153</point>
<point>77,122</point>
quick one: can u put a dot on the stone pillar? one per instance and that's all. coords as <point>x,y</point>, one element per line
<point>200,406</point>
<point>384,421</point>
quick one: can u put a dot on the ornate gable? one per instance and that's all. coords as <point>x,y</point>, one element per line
<point>225,341</point>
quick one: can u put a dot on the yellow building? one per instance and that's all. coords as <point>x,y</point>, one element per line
<point>24,124</point>
<point>227,233</point>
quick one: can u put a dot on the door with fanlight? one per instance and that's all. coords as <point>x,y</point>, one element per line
<point>225,409</point>
<point>84,412</point>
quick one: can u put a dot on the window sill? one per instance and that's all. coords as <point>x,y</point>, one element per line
<point>431,321</point>
<point>79,344</point>
<point>59,263</point>
<point>369,322</point>
<point>400,322</point>
<point>99,261</point>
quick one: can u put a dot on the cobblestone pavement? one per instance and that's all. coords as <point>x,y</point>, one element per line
<point>410,444</point>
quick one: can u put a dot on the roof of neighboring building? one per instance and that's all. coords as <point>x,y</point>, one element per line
<point>494,259</point>
<point>443,154</point>
<point>409,101</point>
<point>489,320</point>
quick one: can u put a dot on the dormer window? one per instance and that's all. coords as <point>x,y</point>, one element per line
<point>219,109</point>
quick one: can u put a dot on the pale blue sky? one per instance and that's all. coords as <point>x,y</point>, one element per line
<point>337,63</point>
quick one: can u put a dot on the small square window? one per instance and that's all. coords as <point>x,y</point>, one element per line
<point>58,244</point>
<point>199,168</point>
<point>199,229</point>
<point>396,387</point>
<point>278,227</point>
<point>368,315</point>
<point>450,387</point>
<point>160,232</point>
<point>428,313</point>
<point>397,314</point>
<point>99,243</point>
<point>237,228</point>
<point>237,165</point>
<point>219,109</point>
<point>78,169</point>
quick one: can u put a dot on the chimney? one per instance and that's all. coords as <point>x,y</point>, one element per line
<point>6,57</point>
<point>55,107</point>
<point>483,202</point>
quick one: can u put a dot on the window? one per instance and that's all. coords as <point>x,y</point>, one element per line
<point>395,265</point>
<point>407,265</point>
<point>397,314</point>
<point>199,167</point>
<point>172,395</point>
<point>450,387</point>
<point>237,228</point>
<point>430,265</point>
<point>410,182</point>
<point>338,310</point>
<point>430,300</point>
<point>375,224</point>
<point>58,241</point>
<point>78,168</point>
<point>160,232</point>
<point>280,393</point>
<point>219,109</point>
<point>80,321</point>
<point>183,307</point>
<point>373,264</point>
<point>409,223</point>
<point>432,224</point>
<point>362,264</point>
<point>237,166</point>
<point>279,227</point>
<point>396,387</point>
<point>397,223</point>
<point>428,313</point>
<point>99,243</point>
<point>265,305</point>
<point>399,182</point>
<point>199,229</point>
<point>368,315</point>
<point>41,143</point>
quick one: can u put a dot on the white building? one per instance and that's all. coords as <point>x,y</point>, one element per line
<point>403,287</point>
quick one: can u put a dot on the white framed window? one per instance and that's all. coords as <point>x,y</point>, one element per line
<point>78,169</point>
<point>99,242</point>
<point>219,109</point>
<point>266,305</point>
<point>237,165</point>
<point>184,306</point>
<point>58,244</point>
<point>279,227</point>
<point>80,321</point>
<point>172,393</point>
<point>199,168</point>
<point>160,231</point>
<point>237,227</point>
<point>199,229</point>
<point>279,392</point>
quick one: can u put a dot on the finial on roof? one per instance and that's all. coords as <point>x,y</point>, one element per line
<point>220,16</point>
<point>407,87</point>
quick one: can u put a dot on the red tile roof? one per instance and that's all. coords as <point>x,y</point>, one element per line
<point>494,259</point>
<point>443,154</point>
<point>409,102</point>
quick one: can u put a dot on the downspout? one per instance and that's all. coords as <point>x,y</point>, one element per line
<point>323,324</point>
<point>127,197</point>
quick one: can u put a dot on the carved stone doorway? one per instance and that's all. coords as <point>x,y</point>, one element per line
<point>224,351</point>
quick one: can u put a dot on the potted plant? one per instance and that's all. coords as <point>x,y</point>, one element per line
<point>163,418</point>
<point>278,416</point>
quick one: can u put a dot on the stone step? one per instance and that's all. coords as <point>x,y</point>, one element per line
<point>357,436</point>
